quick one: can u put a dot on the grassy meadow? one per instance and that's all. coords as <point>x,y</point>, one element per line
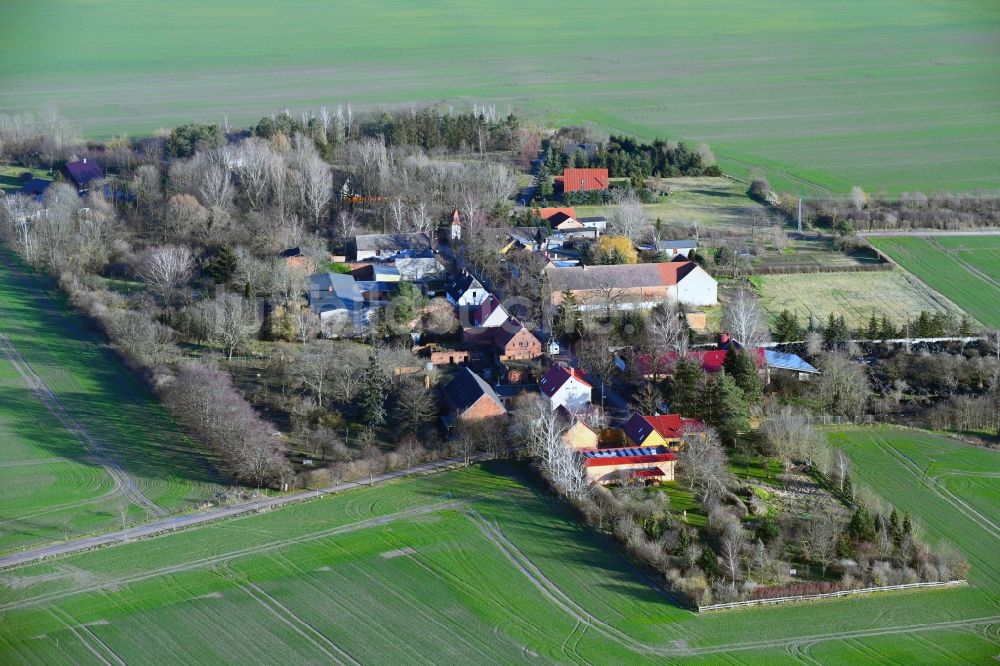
<point>50,486</point>
<point>817,97</point>
<point>481,565</point>
<point>966,269</point>
<point>856,296</point>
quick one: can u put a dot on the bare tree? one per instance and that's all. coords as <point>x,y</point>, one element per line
<point>420,218</point>
<point>215,184</point>
<point>786,434</point>
<point>315,186</point>
<point>731,547</point>
<point>410,448</point>
<point>841,466</point>
<point>347,226</point>
<point>993,342</point>
<point>744,319</point>
<point>666,329</point>
<point>397,210</point>
<point>233,322</point>
<point>628,218</point>
<point>166,268</point>
<point>703,462</point>
<point>258,167</point>
<point>416,406</point>
<point>18,214</point>
<point>859,198</point>
<point>843,385</point>
<point>313,367</point>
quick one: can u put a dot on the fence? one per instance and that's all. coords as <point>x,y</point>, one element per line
<point>827,595</point>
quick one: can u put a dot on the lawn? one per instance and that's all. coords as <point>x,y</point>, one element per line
<point>966,269</point>
<point>868,94</point>
<point>856,296</point>
<point>477,565</point>
<point>10,177</point>
<point>709,202</point>
<point>51,486</point>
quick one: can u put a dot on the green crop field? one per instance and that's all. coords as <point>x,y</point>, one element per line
<point>856,296</point>
<point>818,96</point>
<point>966,269</point>
<point>52,485</point>
<point>479,565</point>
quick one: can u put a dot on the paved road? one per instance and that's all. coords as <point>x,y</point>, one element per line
<point>170,524</point>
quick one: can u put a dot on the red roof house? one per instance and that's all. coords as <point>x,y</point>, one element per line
<point>584,180</point>
<point>610,465</point>
<point>665,430</point>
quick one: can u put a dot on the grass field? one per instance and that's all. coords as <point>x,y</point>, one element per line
<point>10,177</point>
<point>52,484</point>
<point>869,94</point>
<point>856,296</point>
<point>480,566</point>
<point>711,202</point>
<point>966,269</point>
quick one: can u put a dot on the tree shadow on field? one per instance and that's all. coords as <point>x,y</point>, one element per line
<point>552,535</point>
<point>92,385</point>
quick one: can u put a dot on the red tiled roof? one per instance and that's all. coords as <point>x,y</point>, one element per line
<point>546,213</point>
<point>711,361</point>
<point>578,180</point>
<point>556,376</point>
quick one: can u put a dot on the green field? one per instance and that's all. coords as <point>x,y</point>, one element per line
<point>710,202</point>
<point>966,269</point>
<point>856,296</point>
<point>52,485</point>
<point>10,177</point>
<point>819,97</point>
<point>480,566</point>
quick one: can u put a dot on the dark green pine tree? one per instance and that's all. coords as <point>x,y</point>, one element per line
<point>723,406</point>
<point>907,525</point>
<point>223,265</point>
<point>373,393</point>
<point>897,534</point>
<point>786,327</point>
<point>862,525</point>
<point>872,330</point>
<point>740,366</point>
<point>568,320</point>
<point>887,331</point>
<point>684,386</point>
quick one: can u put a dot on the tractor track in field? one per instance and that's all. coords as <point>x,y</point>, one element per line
<point>307,631</point>
<point>208,561</point>
<point>94,446</point>
<point>798,645</point>
<point>750,165</point>
<point>954,254</point>
<point>935,486</point>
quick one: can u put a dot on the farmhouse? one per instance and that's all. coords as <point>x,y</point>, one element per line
<point>488,314</point>
<point>628,286</point>
<point>387,246</point>
<point>674,248</point>
<point>466,290</point>
<point>580,436</point>
<point>469,398</point>
<point>514,342</point>
<point>582,180</point>
<point>82,173</point>
<point>665,430</point>
<point>565,387</point>
<point>652,463</point>
<point>414,267</point>
<point>548,213</point>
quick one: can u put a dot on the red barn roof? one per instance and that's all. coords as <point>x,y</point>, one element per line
<point>582,180</point>
<point>670,426</point>
<point>711,361</point>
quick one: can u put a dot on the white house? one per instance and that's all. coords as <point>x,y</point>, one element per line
<point>488,314</point>
<point>672,248</point>
<point>466,290</point>
<point>565,387</point>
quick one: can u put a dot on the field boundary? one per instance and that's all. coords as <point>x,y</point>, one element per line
<point>174,523</point>
<point>828,595</point>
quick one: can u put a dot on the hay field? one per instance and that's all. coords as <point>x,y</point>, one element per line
<point>63,397</point>
<point>819,97</point>
<point>856,296</point>
<point>476,564</point>
<point>966,269</point>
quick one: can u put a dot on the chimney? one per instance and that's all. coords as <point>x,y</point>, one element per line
<point>84,160</point>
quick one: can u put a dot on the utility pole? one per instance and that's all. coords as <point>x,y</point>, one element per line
<point>800,215</point>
